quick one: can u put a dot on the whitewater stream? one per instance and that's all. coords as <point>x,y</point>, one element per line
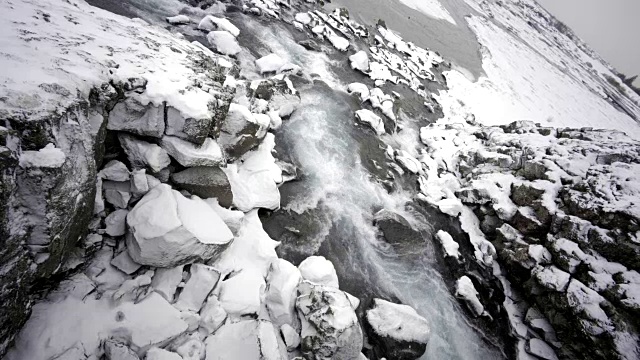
<point>329,210</point>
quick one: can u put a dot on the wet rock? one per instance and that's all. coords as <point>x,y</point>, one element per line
<point>310,45</point>
<point>397,331</point>
<point>205,182</point>
<point>136,118</point>
<point>330,327</point>
<point>395,228</point>
<point>166,229</point>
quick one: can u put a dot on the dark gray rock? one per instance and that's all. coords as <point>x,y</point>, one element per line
<point>395,228</point>
<point>205,182</point>
<point>525,194</point>
<point>190,129</point>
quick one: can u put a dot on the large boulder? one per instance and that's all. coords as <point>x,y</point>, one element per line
<point>205,182</point>
<point>330,328</point>
<point>397,331</point>
<point>189,154</point>
<point>166,229</point>
<point>395,228</point>
<point>191,129</point>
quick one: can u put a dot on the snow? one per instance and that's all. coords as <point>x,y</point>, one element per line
<point>303,18</point>
<point>189,155</point>
<point>114,170</point>
<point>242,294</point>
<point>194,293</point>
<point>254,181</point>
<point>290,336</point>
<point>224,42</point>
<point>270,63</point>
<point>318,270</point>
<point>178,20</point>
<point>212,315</point>
<point>539,254</point>
<point>408,162</point>
<point>449,245</point>
<point>161,354</point>
<point>551,277</point>
<point>431,8</point>
<point>280,295</point>
<point>247,339</point>
<point>360,61</point>
<point>47,157</point>
<point>467,292</point>
<point>397,321</point>
<point>371,119</point>
<point>540,91</point>
<point>587,302</point>
<point>210,23</point>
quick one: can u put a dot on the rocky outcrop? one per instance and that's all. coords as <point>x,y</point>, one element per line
<point>55,120</point>
<point>560,208</point>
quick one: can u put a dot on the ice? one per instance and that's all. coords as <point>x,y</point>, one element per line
<point>189,155</point>
<point>210,23</point>
<point>467,292</point>
<point>319,270</point>
<point>449,245</point>
<point>371,119</point>
<point>397,321</point>
<point>224,42</point>
<point>47,157</point>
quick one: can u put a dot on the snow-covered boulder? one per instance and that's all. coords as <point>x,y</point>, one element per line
<point>466,292</point>
<point>212,315</point>
<point>210,23</point>
<point>116,223</point>
<point>142,154</point>
<point>270,63</point>
<point>166,280</point>
<point>247,339</point>
<point>205,182</point>
<point>224,42</point>
<point>319,270</point>
<point>360,61</point>
<point>114,170</point>
<point>449,246</point>
<point>399,331</point>
<point>132,116</point>
<point>189,154</point>
<point>280,295</point>
<point>242,294</point>
<point>330,328</point>
<point>166,229</point>
<point>374,121</point>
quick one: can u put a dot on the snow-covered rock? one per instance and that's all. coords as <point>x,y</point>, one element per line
<point>330,326</point>
<point>132,116</point>
<point>270,63</point>
<point>242,294</point>
<point>161,354</point>
<point>374,121</point>
<point>210,23</point>
<point>142,154</point>
<point>280,294</point>
<point>166,229</point>
<point>318,270</point>
<point>246,339</point>
<point>212,315</point>
<point>290,336</point>
<point>115,170</point>
<point>242,131</point>
<point>224,42</point>
<point>468,293</point>
<point>189,154</point>
<point>124,263</point>
<point>400,332</point>
<point>195,130</point>
<point>202,280</point>
<point>166,280</point>
<point>116,223</point>
<point>449,246</point>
